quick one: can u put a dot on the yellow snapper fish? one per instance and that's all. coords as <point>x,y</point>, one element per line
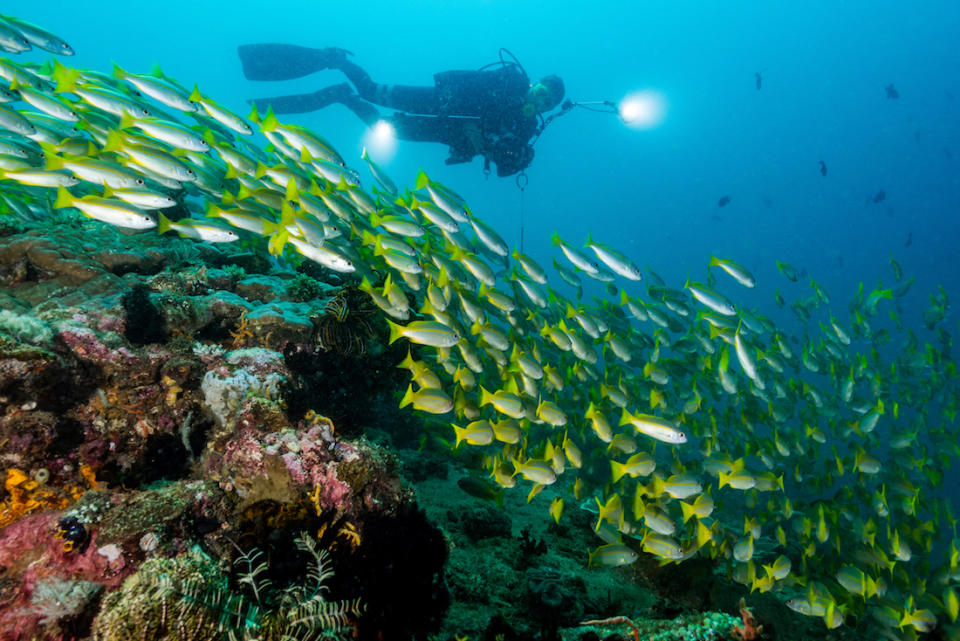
<point>114,212</point>
<point>737,271</point>
<point>429,333</point>
<point>654,427</point>
<point>430,400</point>
<point>476,433</point>
<point>614,260</point>
<point>196,229</point>
<point>576,258</point>
<point>612,555</point>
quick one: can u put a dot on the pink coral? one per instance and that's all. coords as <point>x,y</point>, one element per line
<point>331,491</point>
<point>245,452</point>
<point>87,345</point>
<point>295,467</point>
<point>30,553</point>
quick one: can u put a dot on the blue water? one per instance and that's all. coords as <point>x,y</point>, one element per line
<point>652,193</point>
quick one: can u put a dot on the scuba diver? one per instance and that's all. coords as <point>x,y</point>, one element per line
<point>493,112</point>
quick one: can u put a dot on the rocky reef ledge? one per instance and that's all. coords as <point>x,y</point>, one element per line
<point>173,416</point>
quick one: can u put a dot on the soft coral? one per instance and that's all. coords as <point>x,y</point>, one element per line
<point>750,630</point>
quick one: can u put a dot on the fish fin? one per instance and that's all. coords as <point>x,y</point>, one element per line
<point>408,398</point>
<point>65,77</point>
<point>396,331</point>
<point>269,122</point>
<point>64,198</point>
<point>422,180</point>
<point>163,223</point>
<point>278,241</point>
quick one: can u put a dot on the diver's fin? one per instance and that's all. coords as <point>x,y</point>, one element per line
<point>286,62</point>
<point>302,103</point>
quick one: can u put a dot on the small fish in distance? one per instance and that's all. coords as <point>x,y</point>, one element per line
<point>892,93</point>
<point>823,168</point>
<point>724,201</point>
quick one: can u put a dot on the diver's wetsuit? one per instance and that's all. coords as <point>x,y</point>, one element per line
<point>473,112</point>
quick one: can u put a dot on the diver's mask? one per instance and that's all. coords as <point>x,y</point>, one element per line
<point>538,100</point>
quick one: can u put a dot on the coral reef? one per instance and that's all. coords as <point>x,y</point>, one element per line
<point>145,413</point>
<point>189,598</point>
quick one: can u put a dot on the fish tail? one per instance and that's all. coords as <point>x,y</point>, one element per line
<point>50,158</point>
<point>407,362</point>
<point>724,480</point>
<point>269,122</point>
<point>422,180</point>
<point>126,121</point>
<point>65,77</point>
<point>591,410</point>
<point>114,141</point>
<point>254,115</point>
<point>396,331</point>
<point>278,241</point>
<point>618,469</point>
<point>460,434</point>
<point>485,396</point>
<point>517,465</point>
<point>704,535</point>
<point>64,199</point>
<point>408,398</point>
<point>163,224</point>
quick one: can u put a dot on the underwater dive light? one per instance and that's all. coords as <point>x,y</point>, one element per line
<point>381,139</point>
<point>642,109</point>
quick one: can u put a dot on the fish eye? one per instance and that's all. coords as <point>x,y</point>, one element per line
<point>141,181</point>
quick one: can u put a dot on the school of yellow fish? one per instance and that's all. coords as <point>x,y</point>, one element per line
<point>810,465</point>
